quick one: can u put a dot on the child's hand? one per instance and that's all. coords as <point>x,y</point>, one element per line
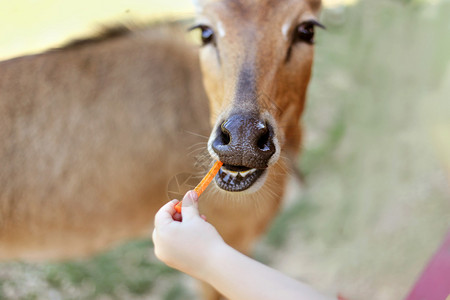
<point>185,245</point>
<point>195,247</point>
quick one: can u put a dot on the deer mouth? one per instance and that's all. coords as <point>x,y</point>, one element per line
<point>237,178</point>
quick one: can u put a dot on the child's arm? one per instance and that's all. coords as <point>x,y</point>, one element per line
<point>195,247</point>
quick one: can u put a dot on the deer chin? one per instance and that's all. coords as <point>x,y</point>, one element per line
<point>240,179</point>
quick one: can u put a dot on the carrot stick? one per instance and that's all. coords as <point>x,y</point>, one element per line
<point>200,188</point>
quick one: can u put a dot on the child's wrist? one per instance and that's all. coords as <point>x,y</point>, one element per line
<point>212,260</point>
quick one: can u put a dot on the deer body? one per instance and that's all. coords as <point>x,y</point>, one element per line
<point>92,134</point>
<point>90,138</point>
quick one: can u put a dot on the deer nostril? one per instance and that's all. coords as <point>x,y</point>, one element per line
<point>264,140</point>
<point>224,135</point>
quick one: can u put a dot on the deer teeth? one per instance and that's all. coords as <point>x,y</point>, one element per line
<point>232,173</point>
<point>248,172</point>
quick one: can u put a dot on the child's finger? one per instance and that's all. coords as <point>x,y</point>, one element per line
<point>190,205</point>
<point>165,214</point>
<point>177,217</point>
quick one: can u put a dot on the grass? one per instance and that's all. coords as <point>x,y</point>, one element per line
<point>129,271</point>
<point>376,200</point>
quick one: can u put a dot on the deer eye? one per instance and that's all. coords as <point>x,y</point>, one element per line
<point>305,32</point>
<point>206,34</point>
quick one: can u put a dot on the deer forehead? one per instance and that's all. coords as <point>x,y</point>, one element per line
<point>239,17</point>
<point>200,4</point>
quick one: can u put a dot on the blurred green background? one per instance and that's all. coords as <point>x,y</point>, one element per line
<point>375,203</point>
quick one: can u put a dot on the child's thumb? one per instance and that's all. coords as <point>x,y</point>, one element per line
<point>190,205</point>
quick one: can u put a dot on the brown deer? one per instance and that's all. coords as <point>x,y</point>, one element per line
<point>93,132</point>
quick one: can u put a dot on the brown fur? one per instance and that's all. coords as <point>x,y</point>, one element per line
<point>85,135</point>
<point>92,134</point>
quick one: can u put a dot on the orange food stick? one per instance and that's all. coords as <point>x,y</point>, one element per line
<point>200,188</point>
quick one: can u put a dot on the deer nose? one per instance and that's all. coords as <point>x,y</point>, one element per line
<point>244,140</point>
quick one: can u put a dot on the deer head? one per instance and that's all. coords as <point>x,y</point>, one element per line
<point>256,59</point>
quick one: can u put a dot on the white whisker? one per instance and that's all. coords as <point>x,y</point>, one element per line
<point>197,134</point>
<point>196,144</point>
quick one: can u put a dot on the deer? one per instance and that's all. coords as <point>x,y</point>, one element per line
<point>93,132</point>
